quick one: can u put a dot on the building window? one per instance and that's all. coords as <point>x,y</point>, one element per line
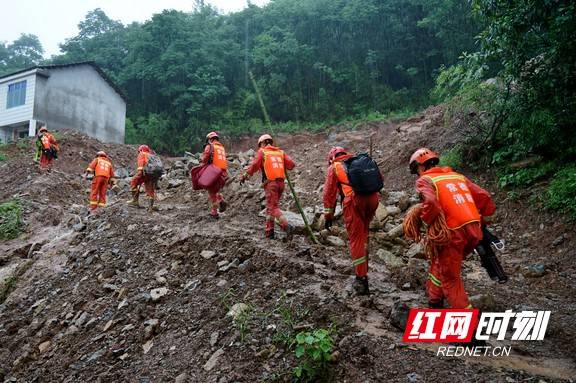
<point>16,94</point>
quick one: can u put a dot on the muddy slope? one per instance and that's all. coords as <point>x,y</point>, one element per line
<point>130,296</point>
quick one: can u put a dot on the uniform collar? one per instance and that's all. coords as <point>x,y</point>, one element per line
<point>437,169</point>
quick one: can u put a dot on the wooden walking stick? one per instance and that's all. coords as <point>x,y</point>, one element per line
<point>269,124</point>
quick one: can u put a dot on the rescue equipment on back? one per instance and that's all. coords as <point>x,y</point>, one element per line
<point>363,174</point>
<point>154,167</point>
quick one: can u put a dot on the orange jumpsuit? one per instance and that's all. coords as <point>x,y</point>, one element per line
<point>141,178</point>
<point>47,141</point>
<point>215,154</point>
<point>103,172</point>
<point>272,162</point>
<point>358,211</point>
<point>465,205</point>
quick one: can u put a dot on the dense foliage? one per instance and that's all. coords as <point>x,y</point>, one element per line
<point>523,119</point>
<point>315,61</point>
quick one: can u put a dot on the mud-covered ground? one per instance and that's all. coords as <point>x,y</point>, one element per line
<point>128,295</point>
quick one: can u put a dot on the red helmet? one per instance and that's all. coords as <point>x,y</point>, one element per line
<point>101,153</point>
<point>42,129</point>
<point>421,156</point>
<point>144,148</point>
<point>212,135</point>
<point>335,152</point>
<point>264,137</point>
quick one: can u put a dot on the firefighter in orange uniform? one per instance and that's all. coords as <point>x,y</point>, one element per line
<point>358,211</point>
<point>465,206</point>
<point>141,178</point>
<point>214,153</point>
<point>103,172</point>
<point>272,161</point>
<point>48,148</point>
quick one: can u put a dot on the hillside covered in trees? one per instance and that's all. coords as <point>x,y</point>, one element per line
<point>505,69</point>
<point>316,61</point>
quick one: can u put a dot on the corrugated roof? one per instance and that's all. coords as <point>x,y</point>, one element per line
<point>60,66</point>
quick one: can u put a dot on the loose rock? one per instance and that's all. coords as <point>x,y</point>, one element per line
<point>157,294</point>
<point>211,363</point>
<point>534,271</point>
<point>399,315</point>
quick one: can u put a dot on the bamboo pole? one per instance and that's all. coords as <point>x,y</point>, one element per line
<point>290,185</point>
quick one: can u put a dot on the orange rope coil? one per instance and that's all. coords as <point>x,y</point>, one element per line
<point>437,235</point>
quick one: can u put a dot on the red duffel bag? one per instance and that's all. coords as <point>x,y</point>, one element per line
<point>205,176</point>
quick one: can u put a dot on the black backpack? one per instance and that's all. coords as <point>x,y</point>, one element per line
<point>363,174</point>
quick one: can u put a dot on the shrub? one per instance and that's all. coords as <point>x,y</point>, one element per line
<point>524,177</point>
<point>10,219</point>
<point>452,157</point>
<point>314,349</point>
<point>562,191</point>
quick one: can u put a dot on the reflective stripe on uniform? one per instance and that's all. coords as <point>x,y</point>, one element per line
<point>328,210</point>
<point>93,202</point>
<point>434,280</point>
<point>140,168</point>
<point>101,204</point>
<point>359,261</point>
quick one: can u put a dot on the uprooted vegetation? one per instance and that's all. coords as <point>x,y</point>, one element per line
<point>10,219</point>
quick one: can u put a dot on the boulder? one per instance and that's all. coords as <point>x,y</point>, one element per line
<point>207,254</point>
<point>394,197</point>
<point>381,213</point>
<point>175,182</point>
<point>399,315</point>
<point>483,302</point>
<point>335,241</point>
<point>211,363</point>
<point>237,310</point>
<point>44,346</point>
<point>393,210</point>
<point>389,259</point>
<point>534,271</point>
<point>295,219</point>
<point>416,251</point>
<point>121,173</point>
<point>157,294</point>
<point>396,232</point>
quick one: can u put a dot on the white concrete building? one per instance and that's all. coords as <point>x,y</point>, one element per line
<point>75,96</point>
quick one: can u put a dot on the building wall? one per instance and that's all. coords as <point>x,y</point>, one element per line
<point>78,98</point>
<point>20,113</point>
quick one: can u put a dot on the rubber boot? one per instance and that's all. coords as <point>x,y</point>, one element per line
<point>288,229</point>
<point>223,206</point>
<point>436,305</point>
<point>135,196</point>
<point>151,206</point>
<point>361,286</point>
<point>269,233</point>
